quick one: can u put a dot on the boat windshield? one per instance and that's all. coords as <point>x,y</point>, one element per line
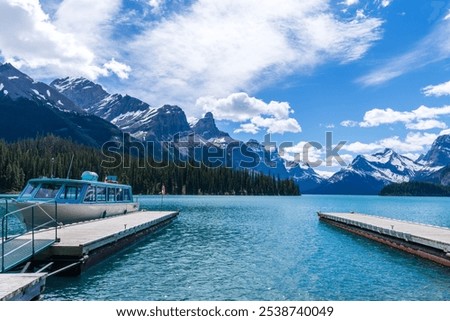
<point>48,190</point>
<point>29,189</point>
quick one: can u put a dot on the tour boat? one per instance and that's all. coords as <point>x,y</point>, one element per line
<point>66,201</point>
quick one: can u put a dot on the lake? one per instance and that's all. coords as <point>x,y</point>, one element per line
<point>266,248</point>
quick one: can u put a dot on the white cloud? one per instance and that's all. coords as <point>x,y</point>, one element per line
<point>305,152</point>
<point>421,118</point>
<point>444,132</point>
<point>437,90</point>
<point>350,2</point>
<point>30,39</point>
<point>447,16</point>
<point>414,142</point>
<point>362,148</point>
<point>121,70</point>
<point>70,44</point>
<point>349,123</point>
<point>209,48</point>
<point>249,128</point>
<point>273,125</point>
<point>219,47</point>
<point>90,21</point>
<point>400,146</point>
<point>156,6</point>
<point>314,154</point>
<point>240,107</point>
<point>426,124</point>
<point>376,117</point>
<point>432,48</point>
<point>384,3</point>
<point>424,139</point>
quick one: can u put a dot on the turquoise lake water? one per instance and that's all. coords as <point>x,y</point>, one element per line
<point>266,248</point>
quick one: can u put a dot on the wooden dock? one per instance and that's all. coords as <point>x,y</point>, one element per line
<point>21,287</point>
<point>81,245</point>
<point>426,241</point>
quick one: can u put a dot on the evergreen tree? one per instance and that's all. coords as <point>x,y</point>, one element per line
<point>44,156</point>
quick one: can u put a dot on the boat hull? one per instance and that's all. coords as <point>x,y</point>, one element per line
<point>44,213</point>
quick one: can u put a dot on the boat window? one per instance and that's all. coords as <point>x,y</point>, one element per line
<point>126,194</point>
<point>70,192</point>
<point>48,190</point>
<point>90,194</point>
<point>119,194</point>
<point>111,194</point>
<point>101,194</point>
<point>29,189</point>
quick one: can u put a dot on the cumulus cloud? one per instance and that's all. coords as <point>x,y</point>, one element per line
<point>219,47</point>
<point>426,124</point>
<point>67,44</point>
<point>121,70</point>
<point>376,117</point>
<point>422,118</point>
<point>314,154</point>
<point>414,142</point>
<point>303,152</point>
<point>437,90</point>
<point>240,107</point>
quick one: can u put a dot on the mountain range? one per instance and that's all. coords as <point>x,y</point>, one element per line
<point>84,111</point>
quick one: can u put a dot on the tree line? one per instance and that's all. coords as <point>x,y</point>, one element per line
<point>415,189</point>
<point>51,156</point>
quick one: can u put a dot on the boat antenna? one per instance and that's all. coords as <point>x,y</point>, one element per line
<point>70,167</point>
<point>51,169</point>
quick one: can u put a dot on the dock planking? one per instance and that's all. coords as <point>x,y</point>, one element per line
<point>21,287</point>
<point>89,242</point>
<point>427,241</point>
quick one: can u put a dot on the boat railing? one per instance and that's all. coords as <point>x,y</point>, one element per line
<point>6,238</point>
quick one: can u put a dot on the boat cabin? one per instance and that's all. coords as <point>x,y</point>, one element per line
<point>75,191</point>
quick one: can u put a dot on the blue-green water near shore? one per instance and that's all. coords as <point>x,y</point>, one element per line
<point>266,248</point>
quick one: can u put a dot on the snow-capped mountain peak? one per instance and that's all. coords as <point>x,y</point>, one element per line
<point>387,166</point>
<point>439,153</point>
<point>15,84</point>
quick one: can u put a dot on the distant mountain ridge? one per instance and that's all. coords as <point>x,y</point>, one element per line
<point>29,108</point>
<point>161,124</point>
<point>370,173</point>
<point>86,112</point>
<point>15,85</point>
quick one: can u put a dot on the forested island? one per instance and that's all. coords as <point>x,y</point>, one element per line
<point>415,189</point>
<point>32,158</point>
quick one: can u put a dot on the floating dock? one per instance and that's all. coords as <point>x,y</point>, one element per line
<point>84,244</point>
<point>78,246</point>
<point>21,287</point>
<point>426,241</point>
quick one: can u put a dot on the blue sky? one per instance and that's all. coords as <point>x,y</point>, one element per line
<point>375,73</point>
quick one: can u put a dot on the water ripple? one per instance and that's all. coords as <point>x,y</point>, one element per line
<point>266,248</point>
